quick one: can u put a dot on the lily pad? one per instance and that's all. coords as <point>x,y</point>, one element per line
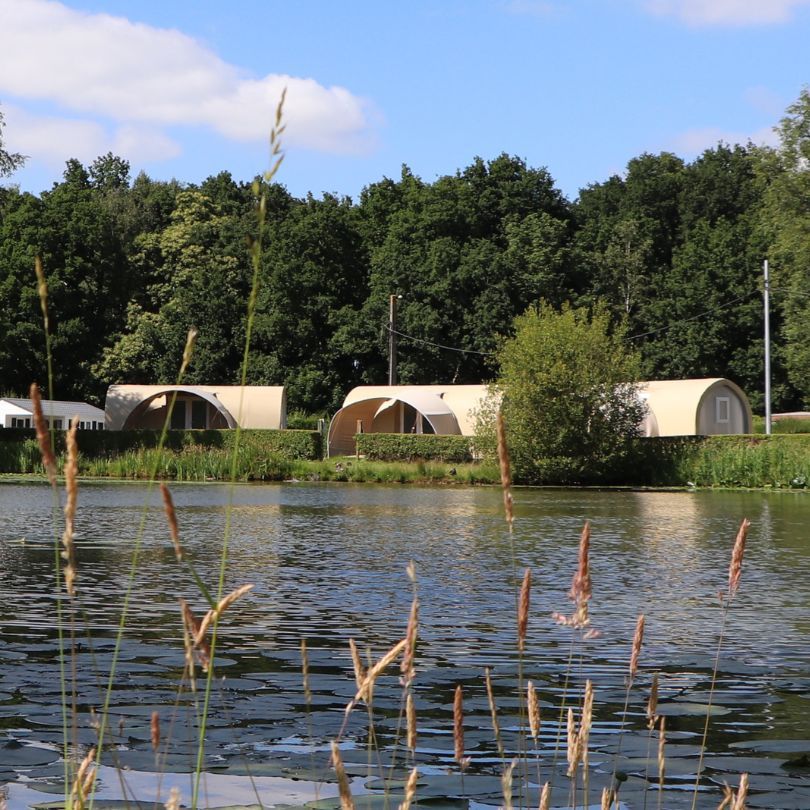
<point>692,710</point>
<point>16,755</point>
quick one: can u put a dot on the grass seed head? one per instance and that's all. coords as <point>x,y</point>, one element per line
<point>346,800</point>
<point>735,567</point>
<point>533,710</point>
<point>458,727</point>
<point>506,470</point>
<point>545,797</point>
<point>410,790</point>
<point>171,519</point>
<point>523,608</point>
<point>637,641</point>
<point>410,723</point>
<point>43,437</point>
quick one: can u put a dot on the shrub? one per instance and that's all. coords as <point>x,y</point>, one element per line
<point>409,447</point>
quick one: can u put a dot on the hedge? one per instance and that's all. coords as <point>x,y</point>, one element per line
<point>19,451</point>
<point>410,447</point>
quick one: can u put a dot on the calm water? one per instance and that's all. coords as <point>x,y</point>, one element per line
<point>328,564</point>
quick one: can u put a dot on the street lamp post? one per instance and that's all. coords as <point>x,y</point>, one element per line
<point>392,338</point>
<point>767,306</point>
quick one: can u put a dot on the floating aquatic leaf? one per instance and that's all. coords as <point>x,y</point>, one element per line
<point>14,754</point>
<point>691,710</point>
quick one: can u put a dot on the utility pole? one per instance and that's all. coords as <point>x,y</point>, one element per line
<point>766,301</point>
<point>392,338</point>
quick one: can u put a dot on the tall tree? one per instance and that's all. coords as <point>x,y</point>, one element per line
<point>9,161</point>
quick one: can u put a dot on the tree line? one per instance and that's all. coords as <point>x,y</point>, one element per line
<point>671,250</point>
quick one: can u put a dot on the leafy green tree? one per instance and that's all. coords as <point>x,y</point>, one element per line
<point>786,224</point>
<point>314,281</point>
<point>569,396</point>
<point>467,253</point>
<point>9,161</point>
<point>200,280</point>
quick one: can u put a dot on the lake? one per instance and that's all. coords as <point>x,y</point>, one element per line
<point>328,564</point>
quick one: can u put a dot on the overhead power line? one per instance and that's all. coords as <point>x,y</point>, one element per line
<point>704,314</point>
<point>438,345</point>
<point>661,329</point>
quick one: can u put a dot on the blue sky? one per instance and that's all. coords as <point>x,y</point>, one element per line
<point>186,89</point>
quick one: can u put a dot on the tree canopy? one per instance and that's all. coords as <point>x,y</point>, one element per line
<point>671,249</point>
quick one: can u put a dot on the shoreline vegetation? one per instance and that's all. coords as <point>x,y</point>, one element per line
<point>780,461</point>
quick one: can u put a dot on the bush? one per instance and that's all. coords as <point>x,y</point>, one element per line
<point>19,452</point>
<point>569,394</point>
<point>409,447</point>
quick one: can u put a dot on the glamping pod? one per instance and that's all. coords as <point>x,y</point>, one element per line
<point>705,407</point>
<point>440,409</point>
<point>196,407</point>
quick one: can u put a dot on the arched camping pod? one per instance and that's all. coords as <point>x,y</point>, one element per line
<point>444,410</point>
<point>702,407</point>
<point>197,407</point>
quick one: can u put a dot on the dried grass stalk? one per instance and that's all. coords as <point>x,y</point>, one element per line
<point>365,688</point>
<point>572,750</point>
<point>742,793</point>
<point>652,704</point>
<point>214,615</point>
<point>174,799</point>
<point>728,798</point>
<point>188,350</point>
<point>84,780</point>
<point>586,722</point>
<point>305,671</point>
<point>410,790</point>
<point>735,567</point>
<point>638,638</point>
<point>171,519</point>
<point>545,797</point>
<point>407,665</point>
<point>506,470</point>
<point>71,496</point>
<point>458,726</point>
<point>43,437</point>
<point>410,723</point>
<point>195,644</point>
<point>607,799</point>
<point>42,289</point>
<point>581,583</point>
<point>580,591</point>
<point>506,785</point>
<point>523,608</point>
<point>154,728</point>
<point>662,760</point>
<point>346,801</point>
<point>533,709</point>
<point>493,711</point>
<point>357,664</point>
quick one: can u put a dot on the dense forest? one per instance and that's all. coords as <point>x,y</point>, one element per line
<point>675,248</point>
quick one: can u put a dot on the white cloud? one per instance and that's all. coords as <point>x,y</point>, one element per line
<point>693,142</point>
<point>52,139</point>
<point>727,12</point>
<point>765,101</point>
<point>140,76</point>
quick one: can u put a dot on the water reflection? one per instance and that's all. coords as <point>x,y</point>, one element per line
<point>328,563</point>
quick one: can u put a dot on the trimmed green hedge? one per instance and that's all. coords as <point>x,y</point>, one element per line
<point>19,452</point>
<point>410,447</point>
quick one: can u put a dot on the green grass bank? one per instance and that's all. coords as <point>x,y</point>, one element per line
<point>780,461</point>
